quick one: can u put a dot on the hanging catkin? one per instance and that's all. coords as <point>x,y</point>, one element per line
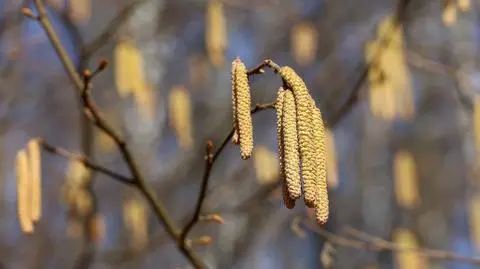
<point>304,125</point>
<point>290,147</point>
<point>242,108</point>
<point>320,158</point>
<point>36,178</point>
<point>23,192</point>
<point>234,105</point>
<point>289,202</point>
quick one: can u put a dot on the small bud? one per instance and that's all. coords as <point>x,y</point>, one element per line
<point>87,73</point>
<point>28,13</point>
<point>213,217</point>
<point>203,240</point>
<point>102,65</point>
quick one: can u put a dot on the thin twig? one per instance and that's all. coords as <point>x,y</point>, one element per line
<point>372,243</point>
<point>85,161</point>
<point>203,191</point>
<point>111,30</point>
<point>83,88</point>
<point>427,252</point>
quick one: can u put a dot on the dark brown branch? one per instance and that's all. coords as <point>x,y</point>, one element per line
<point>85,161</point>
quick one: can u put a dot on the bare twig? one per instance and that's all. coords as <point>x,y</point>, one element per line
<point>369,242</point>
<point>85,161</point>
<point>427,252</point>
<point>110,30</point>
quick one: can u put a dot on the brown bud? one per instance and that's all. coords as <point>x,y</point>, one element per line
<point>102,65</point>
<point>28,13</point>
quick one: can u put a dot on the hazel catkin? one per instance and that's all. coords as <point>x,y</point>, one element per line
<point>320,158</point>
<point>304,125</point>
<point>290,146</point>
<point>289,202</point>
<point>243,117</point>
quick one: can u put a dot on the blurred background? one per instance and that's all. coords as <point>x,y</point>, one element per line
<point>397,83</point>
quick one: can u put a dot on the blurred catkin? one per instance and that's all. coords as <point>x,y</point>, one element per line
<point>476,126</point>
<point>128,66</point>
<point>320,158</point>
<point>405,180</point>
<point>23,192</point>
<point>304,42</point>
<point>410,258</point>
<point>304,125</point>
<point>180,113</point>
<point>332,173</point>
<point>242,112</point>
<point>216,32</point>
<point>474,219</point>
<point>136,221</point>
<point>80,10</point>
<point>34,156</point>
<point>291,163</point>
<point>96,227</point>
<point>449,15</point>
<point>464,5</point>
<point>266,165</point>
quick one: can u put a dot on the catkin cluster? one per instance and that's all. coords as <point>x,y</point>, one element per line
<point>300,133</point>
<point>302,145</point>
<point>29,185</point>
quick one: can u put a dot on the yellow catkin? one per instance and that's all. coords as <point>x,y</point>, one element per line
<point>392,62</point>
<point>135,219</point>
<point>23,192</point>
<point>332,169</point>
<point>234,104</point>
<point>34,155</point>
<point>449,16</point>
<point>303,42</point>
<point>408,259</point>
<point>180,112</point>
<point>128,67</point>
<point>96,230</point>
<point>216,32</point>
<point>304,125</point>
<point>474,219</point>
<point>320,158</point>
<point>266,165</point>
<point>243,103</point>
<point>381,93</point>
<point>80,10</point>
<point>405,180</point>
<point>464,5</point>
<point>289,202</point>
<point>83,202</point>
<point>290,146</point>
<point>476,126</point>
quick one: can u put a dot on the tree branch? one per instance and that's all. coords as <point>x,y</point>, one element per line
<point>85,161</point>
<point>83,88</point>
